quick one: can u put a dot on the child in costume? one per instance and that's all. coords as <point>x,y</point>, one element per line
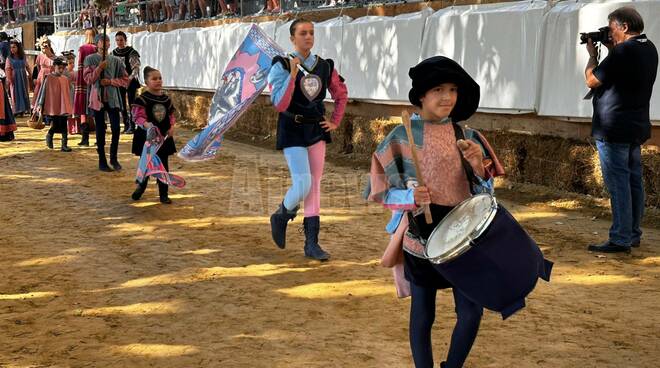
<point>153,110</point>
<point>54,102</point>
<point>303,130</point>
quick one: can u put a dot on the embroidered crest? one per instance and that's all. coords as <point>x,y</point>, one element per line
<point>159,111</point>
<point>311,86</point>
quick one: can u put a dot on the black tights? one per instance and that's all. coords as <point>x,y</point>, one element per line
<point>422,316</point>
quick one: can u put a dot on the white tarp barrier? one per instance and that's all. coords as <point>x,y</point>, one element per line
<point>166,60</point>
<point>562,70</point>
<point>269,28</point>
<point>74,42</point>
<point>57,42</point>
<point>196,56</point>
<point>146,43</point>
<point>329,38</point>
<point>498,46</point>
<point>377,53</point>
<point>283,37</point>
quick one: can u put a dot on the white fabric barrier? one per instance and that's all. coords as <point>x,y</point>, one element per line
<point>326,40</point>
<point>168,47</point>
<point>497,44</point>
<point>57,42</point>
<point>283,37</point>
<point>377,53</point>
<point>525,55</point>
<point>562,70</point>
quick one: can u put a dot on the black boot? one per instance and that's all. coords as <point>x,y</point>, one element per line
<point>113,157</point>
<point>65,141</point>
<point>162,192</point>
<point>85,139</point>
<point>103,163</point>
<point>49,140</point>
<point>139,189</point>
<point>312,247</point>
<point>278,222</point>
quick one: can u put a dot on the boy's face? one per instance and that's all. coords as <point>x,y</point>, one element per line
<point>103,43</point>
<point>439,101</point>
<point>121,42</point>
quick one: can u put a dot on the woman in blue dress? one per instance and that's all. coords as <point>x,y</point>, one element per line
<point>17,72</point>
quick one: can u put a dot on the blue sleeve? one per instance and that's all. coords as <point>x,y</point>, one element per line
<point>484,186</point>
<point>278,81</point>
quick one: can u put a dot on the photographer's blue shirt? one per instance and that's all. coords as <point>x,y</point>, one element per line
<point>621,104</point>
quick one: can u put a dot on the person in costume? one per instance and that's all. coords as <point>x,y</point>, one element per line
<point>17,72</point>
<point>445,94</point>
<point>153,110</point>
<point>303,130</point>
<point>44,63</point>
<point>131,59</point>
<point>7,122</point>
<point>70,72</point>
<point>104,78</point>
<point>81,93</point>
<point>54,102</point>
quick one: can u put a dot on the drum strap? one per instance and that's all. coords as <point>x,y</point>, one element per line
<point>472,178</point>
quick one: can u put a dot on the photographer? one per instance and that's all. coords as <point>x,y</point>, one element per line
<point>622,86</point>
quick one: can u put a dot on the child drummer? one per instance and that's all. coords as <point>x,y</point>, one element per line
<point>445,95</point>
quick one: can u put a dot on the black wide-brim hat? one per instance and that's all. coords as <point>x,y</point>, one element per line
<point>437,70</point>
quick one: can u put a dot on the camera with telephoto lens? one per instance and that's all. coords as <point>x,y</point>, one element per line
<point>602,35</point>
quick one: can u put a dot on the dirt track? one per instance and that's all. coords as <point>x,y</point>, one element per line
<point>92,279</point>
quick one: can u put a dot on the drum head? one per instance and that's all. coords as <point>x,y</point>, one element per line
<point>465,222</point>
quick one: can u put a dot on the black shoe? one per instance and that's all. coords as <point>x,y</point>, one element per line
<point>65,143</point>
<point>165,200</point>
<point>312,247</point>
<point>105,168</point>
<point>49,141</point>
<point>85,140</point>
<point>278,223</point>
<point>609,247</point>
<point>115,165</point>
<point>635,244</point>
<point>139,191</point>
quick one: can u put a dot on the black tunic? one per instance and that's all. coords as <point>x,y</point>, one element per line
<point>292,134</point>
<point>158,110</point>
<point>421,271</point>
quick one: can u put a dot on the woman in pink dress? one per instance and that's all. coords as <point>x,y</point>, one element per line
<point>44,62</point>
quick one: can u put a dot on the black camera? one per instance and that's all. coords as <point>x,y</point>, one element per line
<point>602,35</point>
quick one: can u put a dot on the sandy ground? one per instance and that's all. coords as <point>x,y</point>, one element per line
<point>90,278</point>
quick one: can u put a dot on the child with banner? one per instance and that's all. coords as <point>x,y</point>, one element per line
<point>154,116</point>
<point>298,87</point>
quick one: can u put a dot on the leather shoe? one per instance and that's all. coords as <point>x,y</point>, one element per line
<point>609,247</point>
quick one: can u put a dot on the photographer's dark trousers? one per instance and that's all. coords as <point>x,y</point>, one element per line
<point>99,118</point>
<point>621,166</point>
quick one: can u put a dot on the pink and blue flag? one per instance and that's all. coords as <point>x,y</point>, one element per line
<point>242,82</point>
<point>151,165</point>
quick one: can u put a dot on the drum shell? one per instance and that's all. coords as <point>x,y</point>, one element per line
<point>501,268</point>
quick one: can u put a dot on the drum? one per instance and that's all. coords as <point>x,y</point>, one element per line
<point>484,252</point>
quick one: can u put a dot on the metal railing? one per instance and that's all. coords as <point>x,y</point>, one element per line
<point>78,14</point>
<point>18,11</point>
